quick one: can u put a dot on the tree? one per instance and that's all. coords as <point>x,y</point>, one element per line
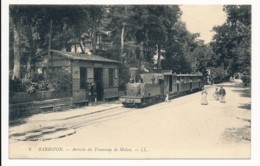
<point>15,24</point>
<point>232,41</point>
<point>119,16</point>
<point>183,50</point>
<point>161,20</point>
<point>94,14</point>
<point>145,25</point>
<point>138,32</point>
<point>176,63</point>
<point>202,57</point>
<point>17,54</point>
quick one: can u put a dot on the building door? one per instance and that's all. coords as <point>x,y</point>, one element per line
<point>99,83</point>
<point>161,82</point>
<point>170,83</point>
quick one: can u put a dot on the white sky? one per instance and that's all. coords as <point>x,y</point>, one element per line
<point>202,18</point>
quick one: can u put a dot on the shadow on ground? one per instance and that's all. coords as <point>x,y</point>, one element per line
<point>38,134</point>
<point>243,92</point>
<point>238,134</point>
<point>18,120</point>
<point>21,118</point>
<point>233,85</point>
<point>245,106</point>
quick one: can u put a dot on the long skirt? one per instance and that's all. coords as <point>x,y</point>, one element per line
<point>204,100</point>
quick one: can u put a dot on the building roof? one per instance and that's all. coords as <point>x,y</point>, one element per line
<point>85,57</point>
<point>199,74</point>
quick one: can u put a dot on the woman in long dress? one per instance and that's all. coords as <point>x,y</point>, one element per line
<point>204,100</point>
<point>216,94</point>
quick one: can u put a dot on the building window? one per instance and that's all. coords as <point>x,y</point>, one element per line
<point>111,77</point>
<point>83,78</point>
<point>116,74</point>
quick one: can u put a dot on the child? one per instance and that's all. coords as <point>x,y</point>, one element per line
<point>167,97</point>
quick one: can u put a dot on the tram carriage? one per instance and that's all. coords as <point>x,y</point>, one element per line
<point>149,88</point>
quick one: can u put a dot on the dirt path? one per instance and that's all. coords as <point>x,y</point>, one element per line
<point>181,128</point>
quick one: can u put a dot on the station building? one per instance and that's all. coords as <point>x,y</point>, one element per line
<point>92,77</point>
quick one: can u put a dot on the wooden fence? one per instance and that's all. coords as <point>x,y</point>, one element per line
<point>23,97</point>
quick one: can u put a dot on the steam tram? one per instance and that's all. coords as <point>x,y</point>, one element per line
<point>149,88</point>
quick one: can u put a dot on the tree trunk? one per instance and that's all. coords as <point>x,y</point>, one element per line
<point>75,47</point>
<point>49,48</point>
<point>81,46</point>
<point>122,38</point>
<point>32,51</point>
<point>159,58</point>
<point>29,66</point>
<point>122,42</point>
<point>17,56</point>
<point>144,51</point>
<point>94,38</point>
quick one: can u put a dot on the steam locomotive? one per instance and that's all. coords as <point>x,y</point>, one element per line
<point>149,88</point>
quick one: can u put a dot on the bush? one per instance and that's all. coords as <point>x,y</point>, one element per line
<point>29,86</point>
<point>43,84</point>
<point>246,80</point>
<point>15,86</point>
<point>60,81</point>
<point>219,74</point>
<point>22,85</point>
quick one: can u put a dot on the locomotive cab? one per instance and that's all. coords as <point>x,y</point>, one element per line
<point>147,90</point>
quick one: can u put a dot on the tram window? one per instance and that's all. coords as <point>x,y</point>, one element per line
<point>111,77</point>
<point>83,78</point>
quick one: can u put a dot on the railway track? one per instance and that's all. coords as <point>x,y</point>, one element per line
<point>58,128</point>
<point>42,130</point>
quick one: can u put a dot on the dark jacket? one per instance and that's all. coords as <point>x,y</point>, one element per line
<point>222,92</point>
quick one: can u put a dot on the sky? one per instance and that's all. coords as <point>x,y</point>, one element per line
<point>202,18</point>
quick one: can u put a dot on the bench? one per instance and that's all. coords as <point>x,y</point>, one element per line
<point>82,102</point>
<point>54,107</point>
